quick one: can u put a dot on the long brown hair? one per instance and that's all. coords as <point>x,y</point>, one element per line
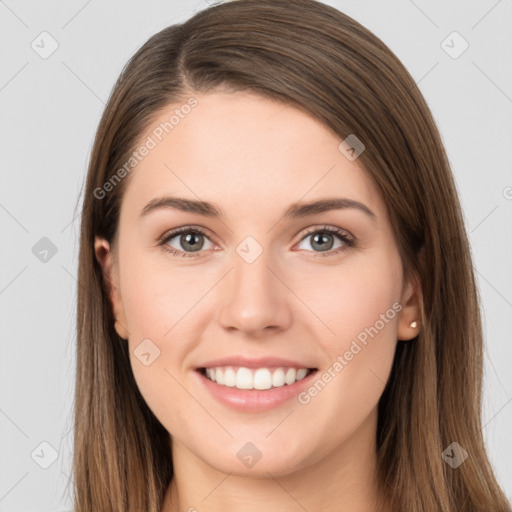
<point>315,58</point>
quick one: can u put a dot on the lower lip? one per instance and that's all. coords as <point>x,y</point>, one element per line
<point>255,400</point>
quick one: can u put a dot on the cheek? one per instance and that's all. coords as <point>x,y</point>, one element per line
<point>156,304</point>
<point>162,304</point>
<point>155,299</point>
<point>360,306</point>
<point>357,307</point>
<point>350,298</point>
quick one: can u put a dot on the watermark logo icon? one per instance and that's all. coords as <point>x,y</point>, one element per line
<point>351,147</point>
<point>454,455</point>
<point>454,45</point>
<point>249,454</point>
<point>44,45</point>
<point>44,250</point>
<point>249,249</point>
<point>146,352</point>
<point>44,455</point>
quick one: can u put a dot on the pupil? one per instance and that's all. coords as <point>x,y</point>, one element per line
<point>189,240</point>
<point>322,239</point>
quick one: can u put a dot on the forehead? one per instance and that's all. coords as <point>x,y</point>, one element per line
<point>244,152</point>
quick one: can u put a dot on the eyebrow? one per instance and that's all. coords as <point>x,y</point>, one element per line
<point>295,210</point>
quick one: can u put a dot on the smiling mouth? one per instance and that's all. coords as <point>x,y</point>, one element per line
<point>240,377</point>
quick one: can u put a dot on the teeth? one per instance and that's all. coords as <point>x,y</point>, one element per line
<point>230,377</point>
<point>244,378</point>
<point>289,378</point>
<point>301,373</point>
<point>261,378</point>
<point>278,378</point>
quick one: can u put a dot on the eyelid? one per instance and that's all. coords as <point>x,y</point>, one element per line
<point>183,229</point>
<point>327,228</point>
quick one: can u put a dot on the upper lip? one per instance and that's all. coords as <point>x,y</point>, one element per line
<point>260,362</point>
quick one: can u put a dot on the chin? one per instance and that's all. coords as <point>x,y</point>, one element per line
<point>256,459</point>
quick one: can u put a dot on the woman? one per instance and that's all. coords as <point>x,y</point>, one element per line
<point>277,307</point>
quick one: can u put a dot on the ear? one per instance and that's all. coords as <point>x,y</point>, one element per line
<point>411,301</point>
<point>105,257</point>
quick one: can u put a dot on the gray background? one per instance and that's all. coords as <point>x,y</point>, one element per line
<point>50,110</point>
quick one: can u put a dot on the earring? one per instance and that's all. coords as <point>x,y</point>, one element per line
<point>413,324</point>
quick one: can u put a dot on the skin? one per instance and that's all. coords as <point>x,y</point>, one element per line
<point>253,157</point>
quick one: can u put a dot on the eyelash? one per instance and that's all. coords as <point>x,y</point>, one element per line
<point>346,239</point>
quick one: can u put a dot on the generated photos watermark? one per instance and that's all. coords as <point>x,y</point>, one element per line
<point>151,142</point>
<point>343,360</point>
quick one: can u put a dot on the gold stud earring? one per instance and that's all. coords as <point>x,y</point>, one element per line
<point>413,324</point>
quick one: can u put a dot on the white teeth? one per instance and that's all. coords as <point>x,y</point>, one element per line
<point>301,373</point>
<point>278,378</point>
<point>261,378</point>
<point>243,378</point>
<point>289,378</point>
<point>230,378</point>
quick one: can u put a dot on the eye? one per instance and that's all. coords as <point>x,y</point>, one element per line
<point>324,240</point>
<point>189,240</point>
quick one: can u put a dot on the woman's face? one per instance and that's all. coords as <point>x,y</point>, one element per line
<point>260,289</point>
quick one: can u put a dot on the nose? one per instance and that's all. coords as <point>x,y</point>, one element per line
<point>254,298</point>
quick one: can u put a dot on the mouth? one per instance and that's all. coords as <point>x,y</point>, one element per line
<point>243,378</point>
